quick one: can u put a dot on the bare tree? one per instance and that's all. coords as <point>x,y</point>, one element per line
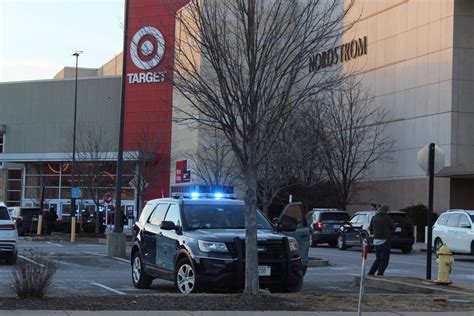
<point>351,136</point>
<point>149,167</point>
<point>214,163</point>
<point>242,65</point>
<point>94,164</point>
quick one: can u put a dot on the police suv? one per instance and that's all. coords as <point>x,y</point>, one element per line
<point>199,242</point>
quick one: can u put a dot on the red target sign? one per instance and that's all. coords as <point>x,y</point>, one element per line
<point>147,47</point>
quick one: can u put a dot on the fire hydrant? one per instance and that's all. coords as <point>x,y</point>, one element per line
<point>445,262</point>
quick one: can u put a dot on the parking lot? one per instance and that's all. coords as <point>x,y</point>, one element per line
<point>83,268</point>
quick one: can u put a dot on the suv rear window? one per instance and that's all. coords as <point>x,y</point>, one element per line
<point>443,220</point>
<point>334,217</point>
<point>4,214</point>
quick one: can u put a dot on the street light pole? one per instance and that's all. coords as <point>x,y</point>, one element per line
<point>73,180</point>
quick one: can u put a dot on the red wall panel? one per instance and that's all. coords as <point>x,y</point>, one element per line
<point>148,105</point>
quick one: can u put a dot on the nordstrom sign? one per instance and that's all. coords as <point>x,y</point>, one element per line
<point>338,54</point>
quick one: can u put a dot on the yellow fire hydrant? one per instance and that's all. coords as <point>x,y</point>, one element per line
<point>445,262</point>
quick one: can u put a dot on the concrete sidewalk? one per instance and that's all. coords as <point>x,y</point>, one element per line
<point>221,313</point>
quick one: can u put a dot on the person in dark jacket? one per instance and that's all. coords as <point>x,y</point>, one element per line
<point>382,227</point>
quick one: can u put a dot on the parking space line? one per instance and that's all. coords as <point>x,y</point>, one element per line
<point>108,288</point>
<point>121,259</point>
<point>32,261</point>
<point>94,253</point>
<point>53,243</point>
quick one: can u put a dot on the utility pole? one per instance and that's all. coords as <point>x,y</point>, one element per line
<point>73,171</point>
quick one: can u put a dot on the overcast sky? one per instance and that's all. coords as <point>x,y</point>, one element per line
<point>38,37</point>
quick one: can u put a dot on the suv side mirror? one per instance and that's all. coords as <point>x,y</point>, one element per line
<point>465,226</point>
<point>276,220</point>
<point>168,225</point>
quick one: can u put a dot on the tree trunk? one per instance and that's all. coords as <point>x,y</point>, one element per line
<point>251,256</point>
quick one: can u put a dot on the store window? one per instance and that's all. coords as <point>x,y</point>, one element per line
<point>14,177</point>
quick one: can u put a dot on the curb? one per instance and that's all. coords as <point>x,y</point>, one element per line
<point>405,287</point>
<point>316,262</point>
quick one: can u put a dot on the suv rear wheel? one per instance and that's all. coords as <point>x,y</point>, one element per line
<point>341,243</point>
<point>140,278</point>
<point>185,277</point>
<point>438,244</point>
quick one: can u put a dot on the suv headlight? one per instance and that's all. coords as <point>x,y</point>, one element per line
<point>293,246</point>
<point>208,246</point>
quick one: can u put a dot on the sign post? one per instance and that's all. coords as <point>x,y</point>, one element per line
<point>365,251</point>
<point>430,165</point>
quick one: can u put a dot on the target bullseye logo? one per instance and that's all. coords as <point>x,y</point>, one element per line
<point>147,47</point>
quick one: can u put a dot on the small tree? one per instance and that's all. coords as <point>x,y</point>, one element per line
<point>351,134</point>
<point>94,162</point>
<point>147,167</point>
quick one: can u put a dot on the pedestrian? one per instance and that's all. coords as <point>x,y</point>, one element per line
<point>381,226</point>
<point>52,218</point>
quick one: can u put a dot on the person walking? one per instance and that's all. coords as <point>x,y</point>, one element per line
<point>381,226</point>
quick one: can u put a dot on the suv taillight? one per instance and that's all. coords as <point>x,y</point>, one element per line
<point>19,219</point>
<point>7,226</point>
<point>318,225</point>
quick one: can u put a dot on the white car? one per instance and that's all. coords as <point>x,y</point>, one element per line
<point>8,236</point>
<point>455,229</point>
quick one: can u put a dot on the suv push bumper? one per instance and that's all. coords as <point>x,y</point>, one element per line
<point>285,273</point>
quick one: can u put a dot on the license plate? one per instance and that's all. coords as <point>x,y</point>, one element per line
<point>264,270</point>
<point>337,226</point>
<point>398,229</point>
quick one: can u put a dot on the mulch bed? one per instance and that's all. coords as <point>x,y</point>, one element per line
<point>264,302</point>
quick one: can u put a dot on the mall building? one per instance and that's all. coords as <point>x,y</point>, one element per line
<point>416,57</point>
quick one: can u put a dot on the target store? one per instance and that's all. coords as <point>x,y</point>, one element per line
<point>37,121</point>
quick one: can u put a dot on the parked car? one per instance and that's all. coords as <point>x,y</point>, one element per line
<point>24,218</point>
<point>356,231</point>
<point>455,228</point>
<point>325,224</point>
<point>200,242</point>
<point>8,236</point>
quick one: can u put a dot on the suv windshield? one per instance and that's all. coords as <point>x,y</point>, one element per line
<point>219,216</point>
<point>4,214</point>
<point>334,217</point>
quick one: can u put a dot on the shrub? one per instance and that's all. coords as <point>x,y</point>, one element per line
<point>419,215</point>
<point>31,279</point>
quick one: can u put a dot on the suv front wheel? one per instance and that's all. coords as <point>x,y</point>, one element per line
<point>140,278</point>
<point>185,277</point>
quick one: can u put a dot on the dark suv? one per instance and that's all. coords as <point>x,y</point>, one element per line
<point>325,224</point>
<point>25,218</point>
<point>356,231</point>
<point>200,243</point>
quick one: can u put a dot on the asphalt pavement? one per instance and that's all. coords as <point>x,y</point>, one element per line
<point>346,264</point>
<point>83,268</point>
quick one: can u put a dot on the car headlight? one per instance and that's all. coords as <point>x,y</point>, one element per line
<point>293,246</point>
<point>208,246</point>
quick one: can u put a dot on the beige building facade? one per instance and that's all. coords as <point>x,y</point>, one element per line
<point>420,69</point>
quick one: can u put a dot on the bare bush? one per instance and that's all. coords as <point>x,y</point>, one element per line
<point>31,278</point>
